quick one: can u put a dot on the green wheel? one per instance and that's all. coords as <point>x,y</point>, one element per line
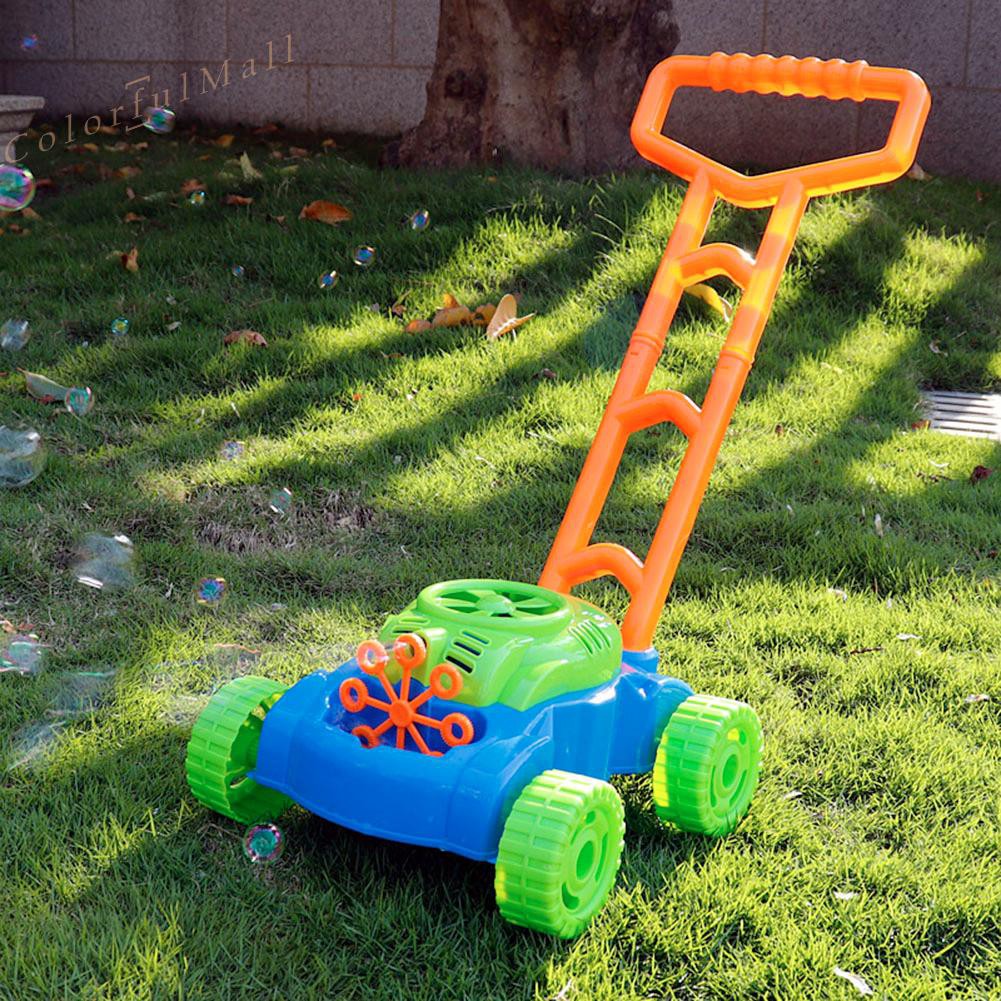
<point>223,748</point>
<point>559,853</point>
<point>707,765</point>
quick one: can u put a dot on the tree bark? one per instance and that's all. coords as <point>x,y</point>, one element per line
<point>550,83</point>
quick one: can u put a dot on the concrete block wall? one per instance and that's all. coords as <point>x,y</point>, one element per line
<point>362,66</point>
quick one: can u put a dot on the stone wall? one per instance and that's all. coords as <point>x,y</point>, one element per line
<point>362,67</point>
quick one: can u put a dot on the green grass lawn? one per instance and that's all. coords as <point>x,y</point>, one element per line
<point>420,458</point>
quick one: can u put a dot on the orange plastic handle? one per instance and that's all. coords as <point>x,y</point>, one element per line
<point>574,558</point>
<point>834,79</point>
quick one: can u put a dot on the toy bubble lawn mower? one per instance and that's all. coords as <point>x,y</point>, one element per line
<point>489,715</point>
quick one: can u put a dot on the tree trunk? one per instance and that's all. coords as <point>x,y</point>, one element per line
<point>551,83</point>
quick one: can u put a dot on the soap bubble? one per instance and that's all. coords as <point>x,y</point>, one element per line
<point>231,450</point>
<point>32,743</point>
<point>364,257</point>
<point>79,401</point>
<point>420,220</point>
<point>281,501</point>
<point>197,197</point>
<point>17,187</point>
<point>22,456</point>
<point>211,591</point>
<point>120,326</point>
<point>106,562</point>
<point>328,279</point>
<point>22,654</point>
<point>80,694</point>
<point>29,43</point>
<point>14,334</point>
<point>159,120</point>
<point>238,270</point>
<point>263,843</point>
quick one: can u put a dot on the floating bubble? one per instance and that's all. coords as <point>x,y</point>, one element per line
<point>22,456</point>
<point>17,187</point>
<point>364,257</point>
<point>79,401</point>
<point>281,501</point>
<point>238,270</point>
<point>14,334</point>
<point>29,43</point>
<point>329,279</point>
<point>32,743</point>
<point>231,450</point>
<point>211,591</point>
<point>80,694</point>
<point>106,562</point>
<point>197,197</point>
<point>420,220</point>
<point>159,120</point>
<point>120,326</point>
<point>263,843</point>
<point>22,654</point>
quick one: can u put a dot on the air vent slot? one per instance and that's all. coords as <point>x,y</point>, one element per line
<point>452,659</point>
<point>590,637</point>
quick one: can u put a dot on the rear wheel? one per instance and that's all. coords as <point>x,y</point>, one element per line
<point>707,765</point>
<point>559,853</point>
<point>223,749</point>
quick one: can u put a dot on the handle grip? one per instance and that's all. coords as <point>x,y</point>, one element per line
<point>834,79</point>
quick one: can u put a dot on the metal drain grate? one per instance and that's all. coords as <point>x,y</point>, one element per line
<point>973,415</point>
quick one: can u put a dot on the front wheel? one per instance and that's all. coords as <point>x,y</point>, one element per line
<point>707,765</point>
<point>559,853</point>
<point>223,749</point>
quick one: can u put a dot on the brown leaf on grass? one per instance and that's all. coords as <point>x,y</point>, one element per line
<point>266,129</point>
<point>133,217</point>
<point>712,299</point>
<point>921,425</point>
<point>245,337</point>
<point>448,301</point>
<point>980,473</point>
<point>108,130</point>
<point>397,309</point>
<point>44,182</point>
<point>451,316</point>
<point>329,144</point>
<point>124,173</point>
<point>225,140</point>
<point>417,326</point>
<point>73,168</point>
<point>547,373</point>
<point>917,174</point>
<point>506,318</point>
<point>141,146</point>
<point>328,212</point>
<point>238,200</point>
<point>206,157</point>
<point>191,184</point>
<point>483,314</point>
<point>130,261</point>
<point>130,194</point>
<point>298,151</point>
<point>85,148</point>
<point>280,219</point>
<point>29,213</point>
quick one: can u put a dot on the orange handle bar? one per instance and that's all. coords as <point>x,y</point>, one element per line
<point>574,558</point>
<point>834,79</point>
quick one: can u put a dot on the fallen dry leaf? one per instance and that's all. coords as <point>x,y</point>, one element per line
<point>328,212</point>
<point>225,140</point>
<point>238,200</point>
<point>483,314</point>
<point>124,173</point>
<point>266,129</point>
<point>548,373</point>
<point>29,213</point>
<point>980,473</point>
<point>397,309</point>
<point>141,146</point>
<point>245,337</point>
<point>329,144</point>
<point>935,348</point>
<point>297,151</point>
<point>133,217</point>
<point>451,316</point>
<point>712,299</point>
<point>250,172</point>
<point>506,318</point>
<point>191,184</point>
<point>917,174</point>
<point>859,983</point>
<point>130,261</point>
<point>921,425</point>
<point>417,326</point>
<point>280,219</point>
<point>130,194</point>
<point>44,182</point>
<point>108,130</point>
<point>448,301</point>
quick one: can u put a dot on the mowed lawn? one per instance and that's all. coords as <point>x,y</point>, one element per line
<point>874,843</point>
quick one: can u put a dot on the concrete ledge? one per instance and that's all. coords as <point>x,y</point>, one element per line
<point>16,113</point>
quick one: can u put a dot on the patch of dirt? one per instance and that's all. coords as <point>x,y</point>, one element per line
<point>238,520</point>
